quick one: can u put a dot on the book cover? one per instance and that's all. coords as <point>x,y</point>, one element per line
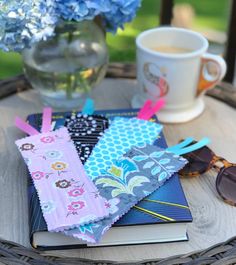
<point>167,205</point>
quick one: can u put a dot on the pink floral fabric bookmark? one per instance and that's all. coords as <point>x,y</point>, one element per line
<point>68,198</point>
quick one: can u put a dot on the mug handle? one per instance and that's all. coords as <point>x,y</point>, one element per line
<point>207,79</point>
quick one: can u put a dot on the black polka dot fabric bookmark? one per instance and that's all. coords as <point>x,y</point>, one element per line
<point>85,131</point>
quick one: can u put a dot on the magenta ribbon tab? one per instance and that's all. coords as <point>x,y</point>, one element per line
<point>149,109</point>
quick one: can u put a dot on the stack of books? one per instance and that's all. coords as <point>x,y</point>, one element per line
<point>160,217</point>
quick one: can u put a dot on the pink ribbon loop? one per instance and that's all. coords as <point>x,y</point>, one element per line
<point>25,127</point>
<point>47,119</point>
<point>46,123</point>
<point>148,110</point>
<point>147,105</point>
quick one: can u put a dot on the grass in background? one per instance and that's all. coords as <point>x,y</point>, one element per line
<point>10,64</point>
<point>209,14</point>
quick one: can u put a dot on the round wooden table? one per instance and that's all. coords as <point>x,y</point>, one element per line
<point>214,220</point>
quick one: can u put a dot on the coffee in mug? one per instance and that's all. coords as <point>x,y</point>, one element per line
<point>173,63</point>
<point>171,49</point>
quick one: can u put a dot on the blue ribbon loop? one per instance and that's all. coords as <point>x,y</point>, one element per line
<point>178,150</point>
<point>88,107</point>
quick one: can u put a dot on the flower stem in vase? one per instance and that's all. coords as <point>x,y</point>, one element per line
<point>84,76</point>
<point>70,85</point>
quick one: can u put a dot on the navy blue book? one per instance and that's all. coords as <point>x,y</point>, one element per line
<point>160,217</point>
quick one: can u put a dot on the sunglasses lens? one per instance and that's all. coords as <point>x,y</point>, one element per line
<point>199,161</point>
<point>226,184</point>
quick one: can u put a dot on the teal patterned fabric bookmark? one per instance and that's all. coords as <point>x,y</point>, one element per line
<point>128,180</point>
<point>122,134</point>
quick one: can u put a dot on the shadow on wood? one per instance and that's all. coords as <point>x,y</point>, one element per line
<point>224,92</point>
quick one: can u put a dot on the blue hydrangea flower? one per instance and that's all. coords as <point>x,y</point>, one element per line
<point>79,10</point>
<point>114,12</point>
<point>121,12</point>
<point>24,22</point>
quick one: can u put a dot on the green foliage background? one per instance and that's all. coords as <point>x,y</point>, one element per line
<point>209,14</point>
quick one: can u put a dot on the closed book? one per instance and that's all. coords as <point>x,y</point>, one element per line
<point>160,217</point>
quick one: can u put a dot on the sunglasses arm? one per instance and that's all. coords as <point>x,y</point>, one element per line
<point>219,162</point>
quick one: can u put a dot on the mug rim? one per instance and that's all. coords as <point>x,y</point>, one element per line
<point>194,53</point>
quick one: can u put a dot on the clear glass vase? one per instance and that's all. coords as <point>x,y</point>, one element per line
<point>67,66</point>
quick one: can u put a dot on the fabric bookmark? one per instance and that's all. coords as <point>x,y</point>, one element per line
<point>85,131</point>
<point>128,180</point>
<point>68,198</point>
<point>122,134</point>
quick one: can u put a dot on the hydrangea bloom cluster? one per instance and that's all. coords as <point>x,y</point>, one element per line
<point>114,12</point>
<point>24,22</point>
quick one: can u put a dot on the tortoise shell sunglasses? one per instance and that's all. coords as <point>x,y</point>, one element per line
<point>204,159</point>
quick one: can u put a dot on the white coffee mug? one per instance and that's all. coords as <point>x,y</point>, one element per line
<point>180,78</point>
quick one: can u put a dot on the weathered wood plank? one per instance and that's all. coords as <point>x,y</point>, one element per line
<point>224,91</point>
<point>13,85</point>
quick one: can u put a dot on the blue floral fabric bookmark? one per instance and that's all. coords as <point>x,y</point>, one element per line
<point>128,180</point>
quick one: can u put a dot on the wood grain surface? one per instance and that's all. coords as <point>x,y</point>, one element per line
<point>214,221</point>
<point>224,91</point>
